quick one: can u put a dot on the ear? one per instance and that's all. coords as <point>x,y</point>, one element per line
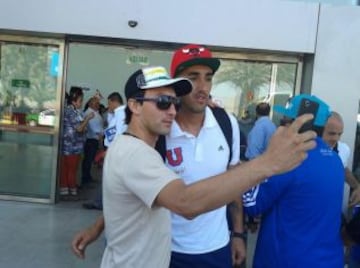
<point>134,106</point>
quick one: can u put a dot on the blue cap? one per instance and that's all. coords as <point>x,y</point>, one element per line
<point>293,106</point>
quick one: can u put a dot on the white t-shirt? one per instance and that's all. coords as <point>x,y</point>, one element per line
<point>194,158</point>
<point>116,125</point>
<point>137,233</point>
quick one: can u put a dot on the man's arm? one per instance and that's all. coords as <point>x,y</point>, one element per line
<point>85,237</point>
<point>235,208</point>
<point>238,246</point>
<point>262,197</point>
<point>350,179</point>
<point>287,149</point>
<point>354,185</point>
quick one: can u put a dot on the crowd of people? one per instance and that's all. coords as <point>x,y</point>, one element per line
<point>172,171</point>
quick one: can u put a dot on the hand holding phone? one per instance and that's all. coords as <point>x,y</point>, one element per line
<point>308,107</point>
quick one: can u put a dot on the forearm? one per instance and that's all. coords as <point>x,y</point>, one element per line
<point>98,227</point>
<point>212,193</point>
<point>81,127</point>
<point>350,179</point>
<point>236,213</point>
<point>287,149</point>
<point>231,185</point>
<point>100,223</point>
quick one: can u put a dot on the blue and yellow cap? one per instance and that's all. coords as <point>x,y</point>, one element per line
<point>292,108</point>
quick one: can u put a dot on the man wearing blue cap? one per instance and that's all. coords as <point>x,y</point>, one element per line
<point>301,209</point>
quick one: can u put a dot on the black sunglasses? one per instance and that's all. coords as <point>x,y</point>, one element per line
<point>163,102</point>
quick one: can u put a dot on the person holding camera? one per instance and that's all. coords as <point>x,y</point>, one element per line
<point>301,209</point>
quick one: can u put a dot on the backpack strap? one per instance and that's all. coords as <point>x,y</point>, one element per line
<point>160,146</point>
<point>224,122</point>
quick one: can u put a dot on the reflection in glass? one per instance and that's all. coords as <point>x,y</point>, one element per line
<point>28,83</point>
<point>28,90</point>
<point>240,85</point>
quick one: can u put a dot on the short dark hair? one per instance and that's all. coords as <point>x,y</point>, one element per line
<point>263,109</point>
<point>115,96</point>
<point>74,94</point>
<point>128,112</point>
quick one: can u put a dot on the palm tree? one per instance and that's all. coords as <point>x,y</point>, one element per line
<point>252,76</point>
<point>249,76</point>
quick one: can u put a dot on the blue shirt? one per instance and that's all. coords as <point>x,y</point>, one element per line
<point>301,214</point>
<point>259,137</point>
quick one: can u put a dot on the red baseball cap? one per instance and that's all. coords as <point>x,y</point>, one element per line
<point>190,55</point>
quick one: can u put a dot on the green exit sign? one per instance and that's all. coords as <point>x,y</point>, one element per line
<point>138,59</point>
<point>20,83</point>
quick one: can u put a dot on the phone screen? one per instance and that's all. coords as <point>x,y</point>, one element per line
<point>308,107</point>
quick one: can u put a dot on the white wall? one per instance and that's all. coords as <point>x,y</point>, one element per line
<point>333,2</point>
<point>108,67</point>
<point>269,25</point>
<point>336,76</point>
<point>256,24</point>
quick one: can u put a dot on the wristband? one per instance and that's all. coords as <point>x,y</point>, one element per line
<point>242,235</point>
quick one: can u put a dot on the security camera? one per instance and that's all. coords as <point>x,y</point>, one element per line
<point>132,23</point>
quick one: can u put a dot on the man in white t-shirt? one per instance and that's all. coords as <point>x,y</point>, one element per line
<point>332,134</point>
<point>139,190</point>
<point>196,148</point>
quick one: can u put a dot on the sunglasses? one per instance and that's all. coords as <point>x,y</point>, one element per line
<point>163,102</point>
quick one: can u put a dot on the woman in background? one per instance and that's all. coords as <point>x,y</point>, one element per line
<point>73,139</point>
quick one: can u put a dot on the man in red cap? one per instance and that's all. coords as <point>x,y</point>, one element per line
<point>196,137</point>
<point>185,198</point>
<point>196,141</point>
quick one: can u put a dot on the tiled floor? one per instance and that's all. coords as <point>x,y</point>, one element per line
<point>39,236</point>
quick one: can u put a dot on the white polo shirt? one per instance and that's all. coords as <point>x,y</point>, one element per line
<point>116,125</point>
<point>195,158</point>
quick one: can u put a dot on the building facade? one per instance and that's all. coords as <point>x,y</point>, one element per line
<point>279,47</point>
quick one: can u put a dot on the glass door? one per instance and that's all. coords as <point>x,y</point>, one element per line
<point>30,98</point>
<point>244,80</point>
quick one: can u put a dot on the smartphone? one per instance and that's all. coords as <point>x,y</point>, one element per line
<point>308,107</point>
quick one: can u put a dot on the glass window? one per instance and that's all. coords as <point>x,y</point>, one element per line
<point>240,84</point>
<point>28,84</point>
<point>29,100</point>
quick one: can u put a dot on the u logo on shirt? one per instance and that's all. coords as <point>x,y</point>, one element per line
<point>177,152</point>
